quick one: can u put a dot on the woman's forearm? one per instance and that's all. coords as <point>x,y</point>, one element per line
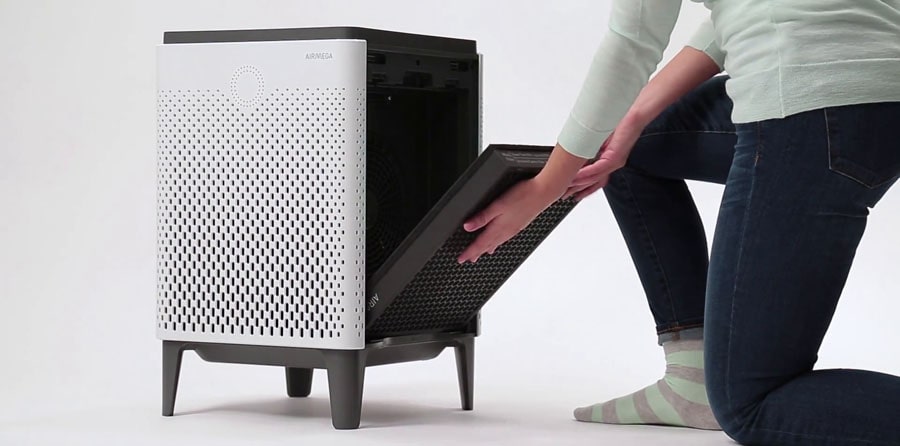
<point>687,70</point>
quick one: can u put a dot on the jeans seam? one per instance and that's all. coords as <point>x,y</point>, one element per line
<point>646,231</point>
<point>680,328</point>
<point>828,138</point>
<point>744,223</point>
<point>677,132</point>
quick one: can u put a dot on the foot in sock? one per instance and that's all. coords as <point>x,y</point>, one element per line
<point>678,399</point>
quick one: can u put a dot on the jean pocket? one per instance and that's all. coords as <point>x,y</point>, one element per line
<point>864,142</point>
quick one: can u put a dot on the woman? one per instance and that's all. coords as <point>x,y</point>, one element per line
<point>802,136</point>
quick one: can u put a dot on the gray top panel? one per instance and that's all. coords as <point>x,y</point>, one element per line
<point>375,38</point>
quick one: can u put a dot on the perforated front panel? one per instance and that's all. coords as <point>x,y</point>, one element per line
<point>261,197</point>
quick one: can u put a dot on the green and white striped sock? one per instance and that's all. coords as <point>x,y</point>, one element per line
<point>678,399</point>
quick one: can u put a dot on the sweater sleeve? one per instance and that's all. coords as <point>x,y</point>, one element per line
<point>639,31</point>
<point>704,39</point>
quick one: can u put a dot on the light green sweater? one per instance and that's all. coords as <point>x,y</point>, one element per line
<point>784,57</point>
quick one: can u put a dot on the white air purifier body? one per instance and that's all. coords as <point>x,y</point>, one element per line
<point>293,165</point>
<point>261,193</point>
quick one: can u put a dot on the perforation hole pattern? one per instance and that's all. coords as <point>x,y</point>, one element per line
<point>250,217</point>
<point>444,296</point>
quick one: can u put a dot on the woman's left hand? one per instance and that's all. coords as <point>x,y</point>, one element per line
<point>613,155</point>
<point>506,216</point>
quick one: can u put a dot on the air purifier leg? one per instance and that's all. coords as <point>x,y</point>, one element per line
<point>299,382</point>
<point>346,373</point>
<point>465,369</point>
<point>171,363</point>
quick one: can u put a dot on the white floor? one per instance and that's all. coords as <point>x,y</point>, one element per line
<point>274,421</point>
<point>238,405</point>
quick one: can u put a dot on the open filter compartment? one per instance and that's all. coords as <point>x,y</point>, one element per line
<point>422,133</point>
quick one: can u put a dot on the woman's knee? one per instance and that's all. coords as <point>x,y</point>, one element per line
<point>735,423</point>
<point>733,404</point>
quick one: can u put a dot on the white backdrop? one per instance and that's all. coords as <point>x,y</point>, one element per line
<point>77,221</point>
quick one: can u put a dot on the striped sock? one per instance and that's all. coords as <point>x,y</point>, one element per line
<point>678,399</point>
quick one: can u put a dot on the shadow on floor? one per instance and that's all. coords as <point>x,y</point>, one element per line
<point>374,414</point>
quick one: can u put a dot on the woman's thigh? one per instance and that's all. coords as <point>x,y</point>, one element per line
<point>693,139</point>
<point>792,215</point>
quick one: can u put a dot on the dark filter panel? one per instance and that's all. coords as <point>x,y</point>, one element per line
<point>421,288</point>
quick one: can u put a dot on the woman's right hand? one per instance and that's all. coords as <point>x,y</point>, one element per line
<point>687,70</point>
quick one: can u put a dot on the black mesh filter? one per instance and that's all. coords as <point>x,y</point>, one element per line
<point>386,220</point>
<point>444,295</point>
<point>422,288</point>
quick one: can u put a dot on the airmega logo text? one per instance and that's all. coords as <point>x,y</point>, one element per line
<point>319,56</point>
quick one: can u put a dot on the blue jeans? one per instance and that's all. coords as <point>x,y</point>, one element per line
<point>797,196</point>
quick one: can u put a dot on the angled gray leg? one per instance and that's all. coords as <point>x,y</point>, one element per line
<point>171,365</point>
<point>299,382</point>
<point>465,369</point>
<point>346,372</point>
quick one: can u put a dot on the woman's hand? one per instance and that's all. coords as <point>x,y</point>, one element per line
<point>688,69</point>
<point>508,215</point>
<point>613,156</point>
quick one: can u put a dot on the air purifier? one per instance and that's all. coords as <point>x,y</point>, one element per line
<point>312,184</point>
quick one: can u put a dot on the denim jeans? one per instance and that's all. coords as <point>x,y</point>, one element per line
<point>797,196</point>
